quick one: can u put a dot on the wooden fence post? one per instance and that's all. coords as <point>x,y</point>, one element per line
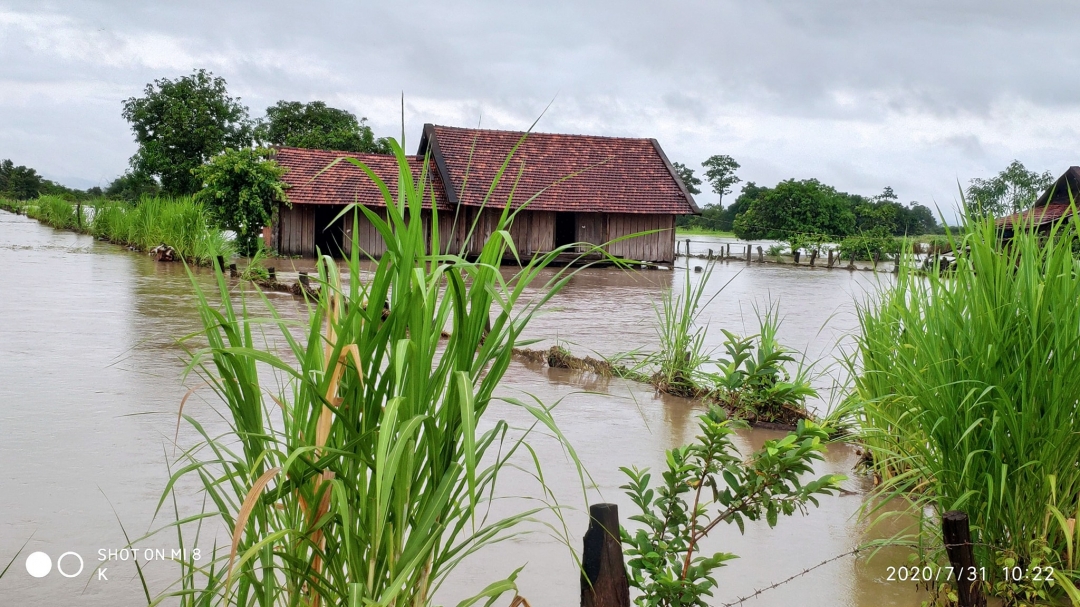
<point>813,257</point>
<point>760,255</point>
<point>603,574</point>
<point>232,270</point>
<point>272,274</point>
<point>688,247</point>
<point>795,255</point>
<point>221,263</point>
<point>830,258</point>
<point>728,254</point>
<point>748,252</point>
<point>954,526</point>
<point>710,254</point>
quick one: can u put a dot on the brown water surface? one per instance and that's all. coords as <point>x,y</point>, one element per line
<point>90,381</point>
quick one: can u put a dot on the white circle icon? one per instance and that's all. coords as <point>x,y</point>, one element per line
<point>38,564</point>
<point>61,569</point>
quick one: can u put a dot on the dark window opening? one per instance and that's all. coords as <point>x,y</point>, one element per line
<point>565,232</point>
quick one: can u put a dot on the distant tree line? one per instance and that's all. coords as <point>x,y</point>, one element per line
<point>812,211</point>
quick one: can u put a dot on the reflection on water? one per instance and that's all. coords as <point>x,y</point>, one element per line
<point>90,383</point>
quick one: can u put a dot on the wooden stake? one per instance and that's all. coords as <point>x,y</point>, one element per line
<point>954,526</point>
<point>603,574</point>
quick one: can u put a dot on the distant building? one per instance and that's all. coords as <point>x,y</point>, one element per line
<point>578,188</point>
<point>1051,207</point>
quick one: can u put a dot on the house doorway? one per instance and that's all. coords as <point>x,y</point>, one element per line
<point>329,238</point>
<point>565,229</point>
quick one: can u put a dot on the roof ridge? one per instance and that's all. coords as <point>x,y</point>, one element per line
<point>339,152</point>
<point>541,133</point>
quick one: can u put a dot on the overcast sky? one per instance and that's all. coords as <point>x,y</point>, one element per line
<point>859,94</point>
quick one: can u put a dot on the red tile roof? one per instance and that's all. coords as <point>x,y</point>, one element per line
<point>614,175</point>
<point>310,182</point>
<point>1035,216</point>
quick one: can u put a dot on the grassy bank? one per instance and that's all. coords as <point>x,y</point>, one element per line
<point>179,223</point>
<point>966,393</point>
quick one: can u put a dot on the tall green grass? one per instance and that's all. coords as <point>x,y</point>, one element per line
<point>361,461</point>
<point>179,223</point>
<point>966,391</point>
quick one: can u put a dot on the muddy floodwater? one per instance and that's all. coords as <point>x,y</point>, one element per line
<point>90,382</point>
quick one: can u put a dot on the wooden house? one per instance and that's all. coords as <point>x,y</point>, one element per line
<point>1050,208</point>
<point>574,189</point>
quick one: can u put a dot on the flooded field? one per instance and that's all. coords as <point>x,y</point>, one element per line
<point>91,380</point>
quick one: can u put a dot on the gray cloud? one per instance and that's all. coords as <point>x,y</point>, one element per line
<point>914,94</point>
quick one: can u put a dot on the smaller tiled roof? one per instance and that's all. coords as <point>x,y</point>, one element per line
<point>1035,216</point>
<point>309,180</point>
<point>583,173</point>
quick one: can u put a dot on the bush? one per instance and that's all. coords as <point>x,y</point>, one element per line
<point>240,190</point>
<point>664,557</point>
<point>866,247</point>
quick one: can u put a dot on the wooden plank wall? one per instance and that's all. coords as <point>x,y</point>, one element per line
<point>296,233</point>
<point>658,247</point>
<point>533,232</point>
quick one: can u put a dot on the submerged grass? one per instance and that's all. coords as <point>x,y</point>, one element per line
<point>360,464</point>
<point>966,391</point>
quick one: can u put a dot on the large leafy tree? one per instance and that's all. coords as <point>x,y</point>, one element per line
<point>19,182</point>
<point>241,189</point>
<point>318,126</point>
<point>180,124</point>
<point>131,186</point>
<point>720,173</point>
<point>686,174</point>
<point>805,210</point>
<point>1013,189</point>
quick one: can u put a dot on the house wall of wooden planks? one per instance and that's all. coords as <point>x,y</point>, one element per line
<point>300,229</point>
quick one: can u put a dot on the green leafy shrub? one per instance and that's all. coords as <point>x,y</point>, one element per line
<point>240,190</point>
<point>752,382</point>
<point>868,246</point>
<point>708,483</point>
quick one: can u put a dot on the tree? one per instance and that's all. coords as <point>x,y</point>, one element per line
<point>180,124</point>
<point>1012,190</point>
<point>686,174</point>
<point>19,182</point>
<point>794,210</point>
<point>131,186</point>
<point>240,189</point>
<point>317,126</point>
<point>720,173</point>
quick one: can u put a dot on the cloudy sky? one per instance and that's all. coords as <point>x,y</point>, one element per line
<point>917,95</point>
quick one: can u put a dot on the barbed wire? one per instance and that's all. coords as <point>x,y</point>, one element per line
<point>758,592</point>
